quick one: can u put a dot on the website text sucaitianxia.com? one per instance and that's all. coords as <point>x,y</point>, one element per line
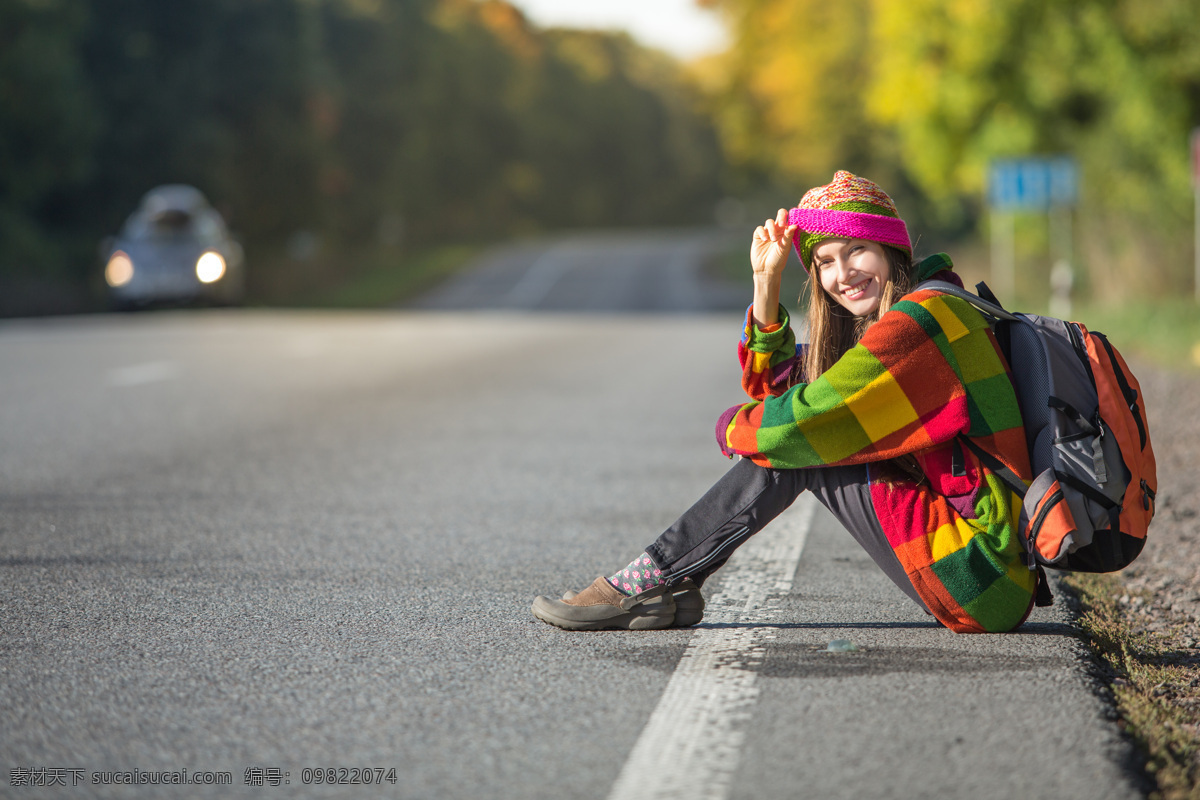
<point>252,776</point>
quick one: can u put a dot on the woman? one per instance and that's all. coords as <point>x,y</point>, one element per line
<point>866,417</point>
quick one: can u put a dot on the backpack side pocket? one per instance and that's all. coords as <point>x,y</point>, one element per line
<point>1051,532</point>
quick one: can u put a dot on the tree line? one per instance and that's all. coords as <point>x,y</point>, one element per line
<point>346,120</point>
<point>352,121</point>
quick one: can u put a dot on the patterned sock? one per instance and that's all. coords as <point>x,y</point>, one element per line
<point>640,575</point>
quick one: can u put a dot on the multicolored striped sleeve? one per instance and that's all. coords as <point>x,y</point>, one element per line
<point>768,356</point>
<point>900,390</point>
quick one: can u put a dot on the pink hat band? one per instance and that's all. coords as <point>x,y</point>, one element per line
<point>824,223</point>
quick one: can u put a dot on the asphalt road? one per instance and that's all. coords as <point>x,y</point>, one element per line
<point>267,543</point>
<point>640,271</point>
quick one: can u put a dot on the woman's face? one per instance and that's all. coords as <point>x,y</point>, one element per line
<point>853,272</point>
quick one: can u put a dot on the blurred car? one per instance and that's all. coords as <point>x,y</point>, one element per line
<point>175,248</point>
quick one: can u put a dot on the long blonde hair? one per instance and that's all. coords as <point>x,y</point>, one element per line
<point>832,330</point>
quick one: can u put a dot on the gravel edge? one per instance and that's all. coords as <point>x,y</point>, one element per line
<point>1142,623</point>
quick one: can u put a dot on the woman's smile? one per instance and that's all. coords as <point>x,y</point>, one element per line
<point>856,291</point>
<point>853,272</point>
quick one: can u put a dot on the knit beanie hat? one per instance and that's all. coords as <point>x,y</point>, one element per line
<point>850,207</point>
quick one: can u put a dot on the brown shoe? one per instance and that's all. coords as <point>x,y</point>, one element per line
<point>600,606</point>
<point>689,603</point>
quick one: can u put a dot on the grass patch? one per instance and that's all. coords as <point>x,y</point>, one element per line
<point>385,279</point>
<point>1153,686</point>
<point>353,277</point>
<point>1165,332</point>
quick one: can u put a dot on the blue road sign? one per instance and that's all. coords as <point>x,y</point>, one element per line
<point>1033,184</point>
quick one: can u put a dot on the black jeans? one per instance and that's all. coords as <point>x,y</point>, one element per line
<point>748,497</point>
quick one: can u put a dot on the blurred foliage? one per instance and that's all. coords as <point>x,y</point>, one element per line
<point>351,124</point>
<point>346,122</point>
<point>921,95</point>
<point>1165,331</point>
<point>48,126</point>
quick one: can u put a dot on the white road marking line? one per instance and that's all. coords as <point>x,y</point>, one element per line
<point>138,374</point>
<point>691,746</point>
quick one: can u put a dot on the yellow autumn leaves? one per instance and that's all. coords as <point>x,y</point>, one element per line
<point>933,90</point>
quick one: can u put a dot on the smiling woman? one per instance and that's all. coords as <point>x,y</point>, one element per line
<point>868,417</point>
<point>853,272</point>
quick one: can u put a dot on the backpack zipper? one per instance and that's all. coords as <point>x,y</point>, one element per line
<point>1036,526</point>
<point>1148,496</point>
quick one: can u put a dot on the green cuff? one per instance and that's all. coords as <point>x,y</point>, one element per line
<point>759,341</point>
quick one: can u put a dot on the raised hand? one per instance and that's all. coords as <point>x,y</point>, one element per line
<point>771,244</point>
<point>768,256</point>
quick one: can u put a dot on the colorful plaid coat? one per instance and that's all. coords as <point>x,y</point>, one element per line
<point>928,370</point>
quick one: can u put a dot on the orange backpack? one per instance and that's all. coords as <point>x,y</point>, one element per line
<point>1092,497</point>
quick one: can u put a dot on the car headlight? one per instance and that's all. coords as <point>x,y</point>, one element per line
<point>119,270</point>
<point>210,267</point>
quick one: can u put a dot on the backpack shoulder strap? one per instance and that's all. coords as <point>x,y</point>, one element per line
<point>985,291</point>
<point>988,306</point>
